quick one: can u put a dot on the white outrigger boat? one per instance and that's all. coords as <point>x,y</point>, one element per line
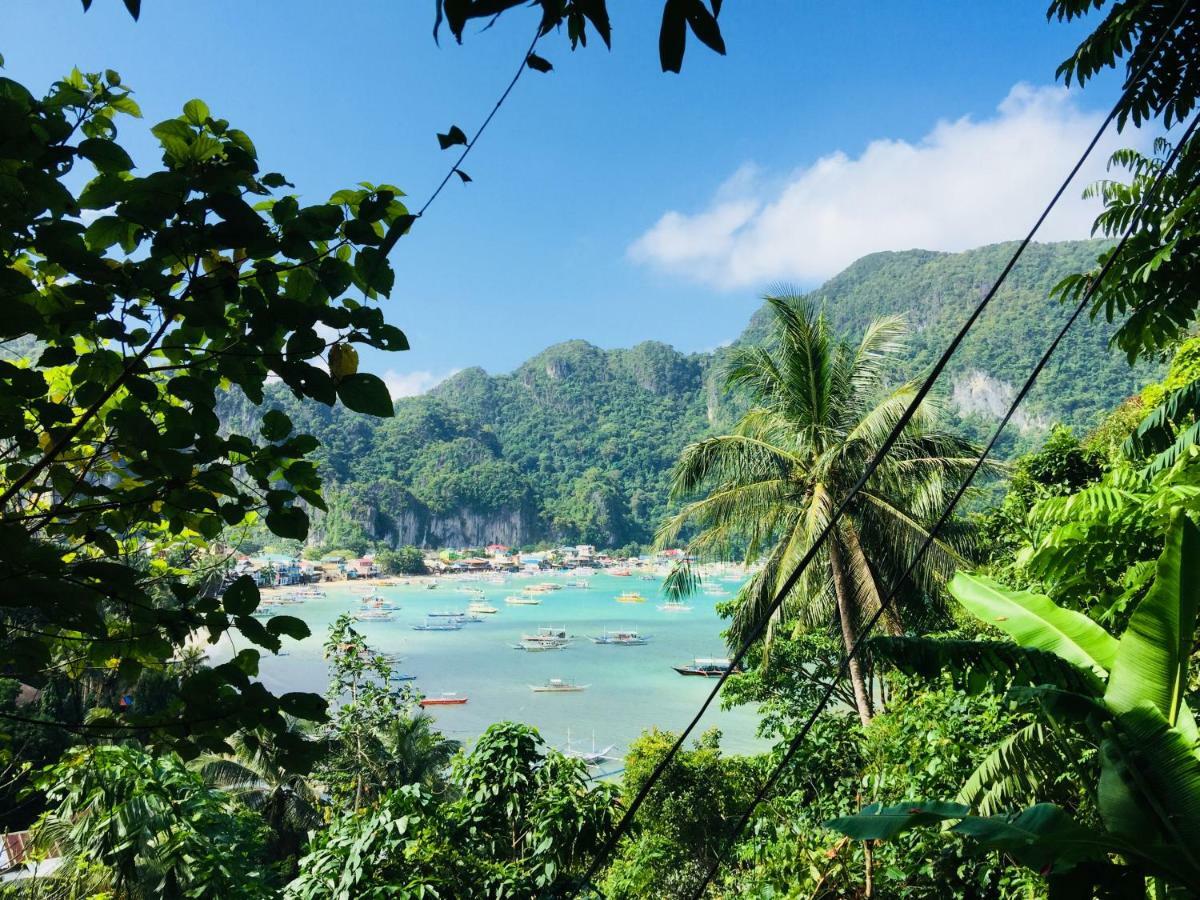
<point>539,646</point>
<point>374,615</point>
<point>522,600</point>
<point>621,638</point>
<point>558,686</point>
<point>674,606</point>
<point>595,758</point>
<point>480,606</point>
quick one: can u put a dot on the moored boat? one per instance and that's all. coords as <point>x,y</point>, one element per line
<point>522,600</point>
<point>674,606</point>
<point>706,667</point>
<point>558,686</point>
<point>445,614</point>
<point>445,625</point>
<point>479,606</point>
<point>630,597</point>
<point>622,638</point>
<point>444,700</point>
<point>374,615</point>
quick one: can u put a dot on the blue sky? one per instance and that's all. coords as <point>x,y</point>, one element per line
<point>610,201</point>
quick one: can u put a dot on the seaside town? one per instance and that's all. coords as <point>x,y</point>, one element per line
<point>275,570</point>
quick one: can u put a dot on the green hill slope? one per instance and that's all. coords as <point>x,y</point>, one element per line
<point>576,444</point>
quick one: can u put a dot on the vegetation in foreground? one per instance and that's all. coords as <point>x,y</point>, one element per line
<point>1041,710</point>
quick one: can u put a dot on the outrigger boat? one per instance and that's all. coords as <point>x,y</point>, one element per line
<point>396,676</point>
<point>521,600</point>
<point>377,602</point>
<point>674,606</point>
<point>548,635</point>
<point>375,615</point>
<point>630,597</point>
<point>558,686</point>
<point>448,625</point>
<point>478,606</point>
<point>446,614</point>
<point>310,592</point>
<point>444,700</point>
<point>595,758</point>
<point>539,646</point>
<point>706,667</point>
<point>623,638</point>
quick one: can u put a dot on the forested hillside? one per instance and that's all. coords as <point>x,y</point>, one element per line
<point>577,442</point>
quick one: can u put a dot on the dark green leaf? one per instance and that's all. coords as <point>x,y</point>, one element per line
<point>365,393</point>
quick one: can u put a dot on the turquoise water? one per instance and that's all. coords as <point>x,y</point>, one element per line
<point>631,688</point>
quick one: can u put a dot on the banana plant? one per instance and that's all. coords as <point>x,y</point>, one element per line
<point>1122,696</point>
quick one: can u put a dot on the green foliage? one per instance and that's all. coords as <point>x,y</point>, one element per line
<point>1152,285</point>
<point>1128,704</point>
<point>402,561</point>
<point>196,277</point>
<point>517,820</point>
<point>145,825</point>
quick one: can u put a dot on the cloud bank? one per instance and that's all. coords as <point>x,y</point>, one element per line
<point>964,184</point>
<point>410,384</point>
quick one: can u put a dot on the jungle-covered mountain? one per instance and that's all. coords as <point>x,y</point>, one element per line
<point>576,444</point>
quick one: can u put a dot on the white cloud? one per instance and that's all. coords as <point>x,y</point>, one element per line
<point>964,184</point>
<point>410,384</point>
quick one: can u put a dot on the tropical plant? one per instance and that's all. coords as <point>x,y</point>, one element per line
<point>1124,697</point>
<point>255,774</point>
<point>142,825</point>
<point>414,751</point>
<point>364,709</point>
<point>820,412</point>
<point>517,822</point>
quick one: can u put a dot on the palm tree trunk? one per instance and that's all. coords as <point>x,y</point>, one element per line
<point>841,587</point>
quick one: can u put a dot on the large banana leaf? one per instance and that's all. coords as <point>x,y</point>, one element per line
<point>1033,620</point>
<point>1152,659</point>
<point>1161,772</point>
<point>985,665</point>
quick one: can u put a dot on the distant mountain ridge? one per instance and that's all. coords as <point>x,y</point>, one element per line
<point>577,442</point>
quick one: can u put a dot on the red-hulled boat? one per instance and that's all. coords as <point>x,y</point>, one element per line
<point>444,700</point>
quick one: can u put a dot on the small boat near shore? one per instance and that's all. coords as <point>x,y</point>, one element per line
<point>443,700</point>
<point>479,606</point>
<point>707,667</point>
<point>558,686</point>
<point>630,597</point>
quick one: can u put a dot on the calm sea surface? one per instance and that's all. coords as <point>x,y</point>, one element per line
<point>630,688</point>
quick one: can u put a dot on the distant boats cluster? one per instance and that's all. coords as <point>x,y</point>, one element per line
<point>374,607</point>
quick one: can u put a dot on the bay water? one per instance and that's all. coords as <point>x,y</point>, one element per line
<point>630,688</point>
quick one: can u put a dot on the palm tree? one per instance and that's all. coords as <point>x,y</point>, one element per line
<point>820,409</point>
<point>415,752</point>
<point>255,773</point>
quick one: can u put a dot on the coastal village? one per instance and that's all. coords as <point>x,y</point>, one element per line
<point>282,570</point>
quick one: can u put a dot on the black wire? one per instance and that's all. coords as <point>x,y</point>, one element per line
<point>922,392</point>
<point>945,516</point>
<point>401,225</point>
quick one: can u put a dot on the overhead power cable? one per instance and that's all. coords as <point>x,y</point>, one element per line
<point>860,641</point>
<point>919,397</point>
